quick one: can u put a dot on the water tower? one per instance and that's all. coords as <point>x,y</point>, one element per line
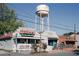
<point>42,11</point>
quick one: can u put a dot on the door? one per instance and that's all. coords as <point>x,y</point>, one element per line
<point>52,43</point>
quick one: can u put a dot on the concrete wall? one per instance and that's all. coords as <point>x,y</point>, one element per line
<point>77,38</point>
<point>7,45</point>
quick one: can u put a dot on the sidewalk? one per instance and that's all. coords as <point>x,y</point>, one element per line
<point>3,52</point>
<point>50,53</point>
<point>56,51</point>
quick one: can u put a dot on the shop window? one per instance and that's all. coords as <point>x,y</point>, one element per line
<point>28,41</point>
<point>52,41</point>
<point>31,41</point>
<point>21,41</point>
<point>69,44</point>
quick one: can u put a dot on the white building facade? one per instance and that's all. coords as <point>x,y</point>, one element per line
<point>25,37</point>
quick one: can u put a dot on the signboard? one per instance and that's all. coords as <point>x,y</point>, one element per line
<point>23,46</point>
<point>25,33</point>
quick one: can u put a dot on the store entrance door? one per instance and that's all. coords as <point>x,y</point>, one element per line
<point>52,43</point>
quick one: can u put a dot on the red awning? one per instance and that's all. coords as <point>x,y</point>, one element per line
<point>5,36</point>
<point>26,32</point>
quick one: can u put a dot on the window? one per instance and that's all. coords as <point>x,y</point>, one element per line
<point>28,41</point>
<point>31,41</point>
<point>52,41</point>
<point>21,40</point>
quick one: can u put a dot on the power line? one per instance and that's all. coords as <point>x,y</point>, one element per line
<point>66,26</point>
<point>24,16</point>
<point>47,25</point>
<point>54,26</point>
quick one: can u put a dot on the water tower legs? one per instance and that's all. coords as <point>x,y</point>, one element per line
<point>48,26</point>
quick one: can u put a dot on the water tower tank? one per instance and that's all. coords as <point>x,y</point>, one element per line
<point>42,10</point>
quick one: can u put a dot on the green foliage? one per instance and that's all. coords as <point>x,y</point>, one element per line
<point>8,21</point>
<point>68,34</point>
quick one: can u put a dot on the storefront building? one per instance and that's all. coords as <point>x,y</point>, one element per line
<point>67,42</point>
<point>26,37</point>
<point>51,39</point>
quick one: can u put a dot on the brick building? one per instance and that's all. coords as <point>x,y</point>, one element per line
<point>68,42</point>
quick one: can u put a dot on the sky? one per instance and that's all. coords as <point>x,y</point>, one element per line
<point>62,16</point>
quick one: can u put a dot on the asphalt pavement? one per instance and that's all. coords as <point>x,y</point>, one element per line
<point>50,53</point>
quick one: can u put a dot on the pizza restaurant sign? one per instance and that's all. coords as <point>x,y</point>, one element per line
<point>26,33</point>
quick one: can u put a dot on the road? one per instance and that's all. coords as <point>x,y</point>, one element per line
<point>51,53</point>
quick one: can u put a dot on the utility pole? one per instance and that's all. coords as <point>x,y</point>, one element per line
<point>74,31</point>
<point>75,34</point>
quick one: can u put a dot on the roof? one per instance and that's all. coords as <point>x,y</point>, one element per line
<point>50,34</point>
<point>65,38</point>
<point>71,38</point>
<point>5,36</point>
<point>62,38</point>
<point>36,38</point>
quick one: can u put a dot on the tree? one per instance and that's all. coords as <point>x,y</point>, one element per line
<point>68,34</point>
<point>8,21</point>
